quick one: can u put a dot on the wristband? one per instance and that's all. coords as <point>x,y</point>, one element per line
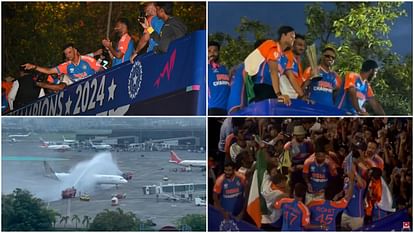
<point>150,30</point>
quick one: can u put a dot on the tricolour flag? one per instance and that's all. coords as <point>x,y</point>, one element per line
<point>268,51</point>
<point>256,204</point>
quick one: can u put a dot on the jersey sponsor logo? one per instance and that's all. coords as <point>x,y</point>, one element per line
<point>232,191</point>
<point>221,83</point>
<point>135,80</point>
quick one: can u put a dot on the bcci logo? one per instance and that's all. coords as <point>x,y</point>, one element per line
<point>228,225</point>
<point>135,80</point>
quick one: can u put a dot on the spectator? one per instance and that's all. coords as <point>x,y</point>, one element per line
<point>298,149</point>
<point>25,89</point>
<point>343,143</point>
<point>125,44</point>
<point>173,28</point>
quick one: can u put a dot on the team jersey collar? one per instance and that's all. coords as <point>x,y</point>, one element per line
<point>215,65</point>
<point>320,67</point>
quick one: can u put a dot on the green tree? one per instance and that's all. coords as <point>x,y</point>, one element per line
<point>64,220</point>
<point>114,221</point>
<point>361,32</point>
<point>234,50</point>
<point>86,220</point>
<point>76,219</point>
<point>23,212</point>
<point>192,222</point>
<point>54,220</point>
<point>36,31</point>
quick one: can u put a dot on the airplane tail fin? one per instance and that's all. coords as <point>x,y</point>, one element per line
<point>174,158</point>
<point>49,172</point>
<point>44,144</point>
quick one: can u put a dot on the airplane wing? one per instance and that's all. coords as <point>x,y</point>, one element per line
<point>49,172</point>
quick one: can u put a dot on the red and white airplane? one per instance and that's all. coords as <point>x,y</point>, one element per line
<point>187,163</point>
<point>57,147</point>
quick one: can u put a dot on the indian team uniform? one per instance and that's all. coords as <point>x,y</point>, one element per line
<point>126,46</point>
<point>295,214</point>
<point>353,215</point>
<point>156,23</point>
<point>218,86</point>
<point>237,97</point>
<point>363,92</point>
<point>322,91</point>
<point>319,176</point>
<point>87,66</point>
<point>289,62</point>
<point>325,212</point>
<point>257,68</point>
<point>231,193</point>
<point>263,88</point>
<point>378,213</point>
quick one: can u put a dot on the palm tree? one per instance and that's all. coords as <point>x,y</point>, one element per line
<point>76,219</point>
<point>54,219</point>
<point>65,220</point>
<point>86,220</point>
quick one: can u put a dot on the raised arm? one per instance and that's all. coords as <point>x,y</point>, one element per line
<point>40,69</point>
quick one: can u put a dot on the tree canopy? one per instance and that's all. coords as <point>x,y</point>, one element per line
<point>36,31</point>
<point>192,222</point>
<point>117,220</point>
<point>358,30</point>
<point>23,212</point>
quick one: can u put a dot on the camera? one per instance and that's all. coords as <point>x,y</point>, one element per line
<point>141,17</point>
<point>355,147</point>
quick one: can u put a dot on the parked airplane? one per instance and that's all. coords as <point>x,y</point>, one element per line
<point>19,135</point>
<point>100,146</point>
<point>13,137</point>
<point>188,163</point>
<point>69,141</point>
<point>52,146</point>
<point>99,178</point>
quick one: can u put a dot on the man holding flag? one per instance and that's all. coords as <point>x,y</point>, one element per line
<point>268,52</point>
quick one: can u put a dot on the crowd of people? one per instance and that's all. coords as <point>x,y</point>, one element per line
<point>160,28</point>
<point>274,71</point>
<point>310,173</point>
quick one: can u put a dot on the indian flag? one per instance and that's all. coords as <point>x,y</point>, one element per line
<point>256,204</point>
<point>268,50</point>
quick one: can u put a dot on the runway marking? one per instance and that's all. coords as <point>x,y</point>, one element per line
<point>30,158</point>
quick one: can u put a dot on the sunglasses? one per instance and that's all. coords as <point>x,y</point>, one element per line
<point>329,56</point>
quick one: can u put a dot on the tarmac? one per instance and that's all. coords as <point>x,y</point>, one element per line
<point>22,167</point>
